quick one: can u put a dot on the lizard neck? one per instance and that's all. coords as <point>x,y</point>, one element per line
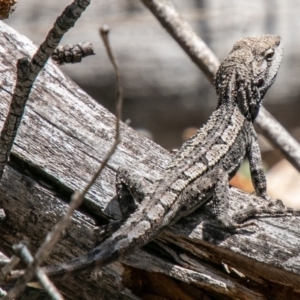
<point>234,91</point>
<point>202,152</point>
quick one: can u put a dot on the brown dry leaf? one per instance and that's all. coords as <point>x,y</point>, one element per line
<point>7,7</point>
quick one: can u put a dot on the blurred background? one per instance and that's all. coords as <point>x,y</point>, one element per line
<point>166,95</point>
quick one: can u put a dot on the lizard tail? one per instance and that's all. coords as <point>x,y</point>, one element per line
<point>97,257</point>
<point>93,259</point>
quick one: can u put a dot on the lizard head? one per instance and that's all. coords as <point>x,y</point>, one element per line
<point>246,74</point>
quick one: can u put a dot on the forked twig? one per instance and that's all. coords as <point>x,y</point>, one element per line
<point>27,73</point>
<point>77,197</point>
<point>23,252</point>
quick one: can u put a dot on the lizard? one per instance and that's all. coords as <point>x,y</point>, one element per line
<point>200,171</point>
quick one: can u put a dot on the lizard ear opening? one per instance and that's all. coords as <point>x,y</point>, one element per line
<point>269,54</point>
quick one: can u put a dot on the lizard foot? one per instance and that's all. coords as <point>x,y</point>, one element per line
<point>233,227</point>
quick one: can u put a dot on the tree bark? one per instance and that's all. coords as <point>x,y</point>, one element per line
<point>62,140</point>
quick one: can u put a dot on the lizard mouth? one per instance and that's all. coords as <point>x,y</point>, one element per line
<point>275,66</point>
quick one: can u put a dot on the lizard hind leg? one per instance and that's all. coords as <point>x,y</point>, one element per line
<point>130,191</point>
<point>221,202</point>
<point>212,186</point>
<point>273,209</point>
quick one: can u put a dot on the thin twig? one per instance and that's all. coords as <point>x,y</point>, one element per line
<point>185,36</point>
<point>47,285</point>
<point>10,265</point>
<point>205,59</point>
<point>28,72</point>
<point>23,252</point>
<point>104,31</point>
<point>77,198</point>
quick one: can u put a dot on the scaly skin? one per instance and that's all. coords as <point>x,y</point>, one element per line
<point>218,148</point>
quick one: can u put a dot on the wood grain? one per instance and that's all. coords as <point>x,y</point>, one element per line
<point>62,140</point>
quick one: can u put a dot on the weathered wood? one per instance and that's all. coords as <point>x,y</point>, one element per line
<point>160,80</point>
<point>63,128</point>
<point>62,139</point>
<point>31,211</point>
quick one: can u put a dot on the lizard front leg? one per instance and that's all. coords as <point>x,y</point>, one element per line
<point>256,166</point>
<point>273,208</point>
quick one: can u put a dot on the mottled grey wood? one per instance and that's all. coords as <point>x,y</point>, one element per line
<point>61,141</point>
<point>31,212</point>
<point>160,80</point>
<point>71,132</point>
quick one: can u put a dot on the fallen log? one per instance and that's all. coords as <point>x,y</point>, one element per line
<point>62,140</point>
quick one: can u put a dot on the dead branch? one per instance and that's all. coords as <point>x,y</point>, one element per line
<point>28,72</point>
<point>76,200</point>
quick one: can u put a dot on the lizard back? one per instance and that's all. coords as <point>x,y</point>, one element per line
<point>241,83</point>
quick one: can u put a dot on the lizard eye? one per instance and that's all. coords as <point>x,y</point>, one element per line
<point>269,54</point>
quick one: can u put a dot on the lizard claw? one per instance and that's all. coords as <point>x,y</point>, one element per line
<point>234,227</point>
